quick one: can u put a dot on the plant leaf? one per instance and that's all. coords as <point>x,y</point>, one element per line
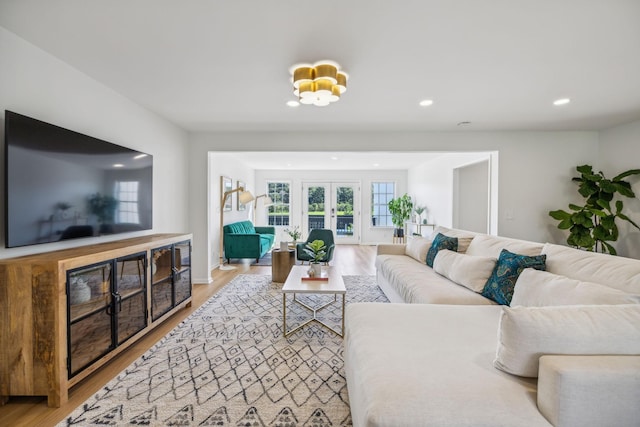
<point>610,248</point>
<point>560,215</point>
<point>624,190</point>
<point>626,174</point>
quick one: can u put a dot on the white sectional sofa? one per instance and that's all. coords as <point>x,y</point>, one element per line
<point>565,353</point>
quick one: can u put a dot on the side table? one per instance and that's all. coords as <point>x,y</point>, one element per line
<point>281,264</point>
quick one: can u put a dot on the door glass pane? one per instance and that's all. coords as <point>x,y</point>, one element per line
<point>182,275</point>
<point>90,322</point>
<point>344,208</point>
<point>317,198</point>
<point>131,316</point>
<point>161,298</point>
<point>131,274</point>
<point>160,264</point>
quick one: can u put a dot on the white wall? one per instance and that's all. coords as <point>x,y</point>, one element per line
<point>431,185</point>
<point>38,85</point>
<point>221,164</point>
<point>619,152</point>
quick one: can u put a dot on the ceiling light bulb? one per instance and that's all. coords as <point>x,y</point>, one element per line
<point>293,103</point>
<point>426,102</point>
<point>561,101</point>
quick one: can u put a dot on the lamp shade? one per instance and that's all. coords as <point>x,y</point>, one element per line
<point>319,84</point>
<point>245,197</point>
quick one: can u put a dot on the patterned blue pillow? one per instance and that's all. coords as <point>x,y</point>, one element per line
<point>441,242</point>
<point>502,281</point>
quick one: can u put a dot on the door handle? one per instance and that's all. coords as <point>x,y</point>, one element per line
<point>333,212</point>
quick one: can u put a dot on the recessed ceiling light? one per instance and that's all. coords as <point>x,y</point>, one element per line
<point>561,101</point>
<point>426,102</point>
<point>140,156</point>
<point>334,158</point>
<point>376,164</point>
<point>118,165</point>
<point>293,103</point>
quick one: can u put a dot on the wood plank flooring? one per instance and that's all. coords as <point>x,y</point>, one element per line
<point>33,411</point>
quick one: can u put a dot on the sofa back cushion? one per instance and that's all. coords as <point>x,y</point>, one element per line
<point>613,271</point>
<point>417,248</point>
<point>242,227</point>
<point>526,333</point>
<point>467,270</point>
<point>486,245</point>
<point>540,288</point>
<point>464,237</point>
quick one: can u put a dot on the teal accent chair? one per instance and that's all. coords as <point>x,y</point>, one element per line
<point>317,234</point>
<point>243,240</point>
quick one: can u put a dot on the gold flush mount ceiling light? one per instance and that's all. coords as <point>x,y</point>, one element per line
<point>318,84</point>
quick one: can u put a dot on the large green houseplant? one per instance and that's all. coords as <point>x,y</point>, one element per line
<point>592,225</point>
<point>400,209</point>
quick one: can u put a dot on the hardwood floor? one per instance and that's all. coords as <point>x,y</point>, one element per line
<point>33,411</point>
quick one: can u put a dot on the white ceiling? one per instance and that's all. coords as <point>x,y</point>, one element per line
<point>343,160</point>
<point>211,65</point>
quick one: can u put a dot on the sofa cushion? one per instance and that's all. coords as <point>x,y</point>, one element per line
<point>417,248</point>
<point>613,271</point>
<point>416,283</point>
<point>242,227</point>
<point>486,245</point>
<point>440,242</point>
<point>500,285</point>
<point>464,237</point>
<point>430,366</point>
<point>541,288</point>
<point>526,333</point>
<point>467,270</point>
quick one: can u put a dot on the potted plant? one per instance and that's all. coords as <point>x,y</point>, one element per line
<point>400,209</point>
<point>317,251</point>
<point>294,233</point>
<point>104,208</point>
<point>419,210</point>
<point>593,224</point>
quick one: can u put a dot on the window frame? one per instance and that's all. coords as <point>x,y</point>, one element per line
<point>278,204</point>
<point>375,213</point>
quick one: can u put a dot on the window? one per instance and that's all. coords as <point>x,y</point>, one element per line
<point>127,195</point>
<point>381,194</point>
<point>279,211</point>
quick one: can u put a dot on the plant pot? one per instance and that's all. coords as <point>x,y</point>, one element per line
<point>398,232</point>
<point>315,270</point>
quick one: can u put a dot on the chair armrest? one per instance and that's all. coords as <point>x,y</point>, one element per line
<point>265,230</point>
<point>589,390</point>
<point>390,249</point>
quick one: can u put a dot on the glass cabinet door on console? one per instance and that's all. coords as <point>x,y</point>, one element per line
<point>106,305</point>
<point>170,277</point>
<point>88,309</point>
<point>130,298</point>
<point>182,271</point>
<point>161,281</point>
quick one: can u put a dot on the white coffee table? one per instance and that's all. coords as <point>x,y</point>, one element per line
<point>296,284</point>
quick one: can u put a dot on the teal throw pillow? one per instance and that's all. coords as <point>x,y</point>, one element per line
<point>502,281</point>
<point>441,242</point>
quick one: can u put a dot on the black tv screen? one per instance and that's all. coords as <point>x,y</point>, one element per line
<point>62,185</point>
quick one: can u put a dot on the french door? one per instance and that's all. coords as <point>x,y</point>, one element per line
<point>332,205</point>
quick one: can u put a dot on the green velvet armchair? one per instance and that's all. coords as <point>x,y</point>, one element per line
<point>243,240</point>
<point>317,234</point>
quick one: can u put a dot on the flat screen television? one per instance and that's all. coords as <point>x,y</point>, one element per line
<point>61,184</point>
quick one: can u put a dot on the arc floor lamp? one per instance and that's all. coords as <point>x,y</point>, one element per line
<point>267,202</point>
<point>244,197</point>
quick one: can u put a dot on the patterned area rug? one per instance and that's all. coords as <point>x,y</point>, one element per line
<point>228,364</point>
